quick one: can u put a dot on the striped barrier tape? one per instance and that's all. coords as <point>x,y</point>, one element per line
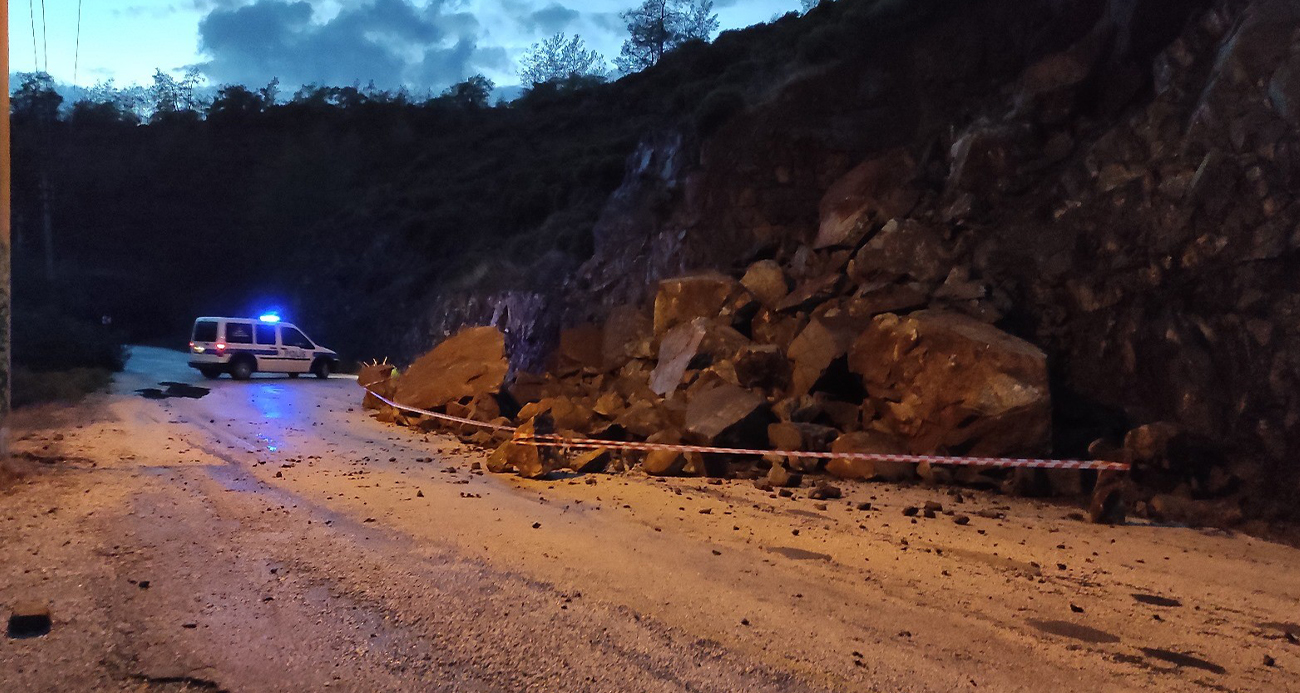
<point>557,441</point>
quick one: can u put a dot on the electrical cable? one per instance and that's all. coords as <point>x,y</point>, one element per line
<point>36,61</point>
<point>45,38</point>
<point>76,55</point>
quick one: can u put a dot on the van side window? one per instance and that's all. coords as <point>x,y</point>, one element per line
<point>265,334</point>
<point>293,338</point>
<point>239,333</point>
<point>205,331</point>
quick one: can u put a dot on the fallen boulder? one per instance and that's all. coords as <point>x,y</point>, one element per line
<point>762,366</point>
<point>580,347</point>
<point>727,414</point>
<point>947,382</point>
<point>871,443</point>
<point>470,363</point>
<point>817,346</point>
<point>625,335</point>
<point>906,248</point>
<point>682,299</point>
<point>766,281</point>
<point>377,378</point>
<point>671,462</point>
<point>873,192</point>
<point>679,347</point>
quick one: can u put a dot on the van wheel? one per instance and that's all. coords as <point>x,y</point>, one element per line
<point>321,369</point>
<point>242,368</point>
<point>210,373</point>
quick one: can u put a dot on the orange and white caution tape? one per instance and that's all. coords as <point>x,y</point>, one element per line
<point>551,440</point>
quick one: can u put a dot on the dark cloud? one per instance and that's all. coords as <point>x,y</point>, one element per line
<point>392,42</point>
<point>552,19</point>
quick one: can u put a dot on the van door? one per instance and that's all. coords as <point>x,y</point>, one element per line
<point>296,349</point>
<point>269,357</point>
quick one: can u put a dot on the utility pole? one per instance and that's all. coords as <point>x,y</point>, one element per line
<point>6,213</point>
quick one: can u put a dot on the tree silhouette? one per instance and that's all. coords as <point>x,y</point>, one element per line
<point>560,58</point>
<point>658,26</point>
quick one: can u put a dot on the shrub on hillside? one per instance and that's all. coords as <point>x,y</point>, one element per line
<point>717,108</point>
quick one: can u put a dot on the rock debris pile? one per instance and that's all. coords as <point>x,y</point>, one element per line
<point>1081,245</point>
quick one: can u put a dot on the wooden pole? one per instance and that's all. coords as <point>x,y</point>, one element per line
<point>6,214</point>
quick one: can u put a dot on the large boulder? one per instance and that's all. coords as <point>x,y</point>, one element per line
<point>825,338</point>
<point>766,281</point>
<point>904,248</point>
<point>875,191</point>
<point>874,443</point>
<point>949,383</point>
<point>683,343</point>
<point>625,336</point>
<point>377,378</point>
<point>682,299</point>
<point>580,347</point>
<point>728,415</point>
<point>679,347</point>
<point>472,362</point>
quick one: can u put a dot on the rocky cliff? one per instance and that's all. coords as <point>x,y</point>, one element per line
<point>1110,182</point>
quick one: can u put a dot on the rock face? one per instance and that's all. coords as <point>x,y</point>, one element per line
<point>473,362</point>
<point>950,383</point>
<point>1123,199</point>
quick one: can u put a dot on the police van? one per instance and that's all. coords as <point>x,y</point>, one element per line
<point>244,346</point>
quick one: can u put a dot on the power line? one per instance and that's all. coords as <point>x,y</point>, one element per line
<point>45,38</point>
<point>76,56</point>
<point>31,13</point>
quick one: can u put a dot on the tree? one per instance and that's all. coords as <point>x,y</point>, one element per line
<point>235,102</point>
<point>560,58</point>
<point>658,26</point>
<point>472,93</point>
<point>170,95</point>
<point>35,100</point>
<point>131,100</point>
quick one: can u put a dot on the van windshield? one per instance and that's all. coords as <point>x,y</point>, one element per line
<point>205,331</point>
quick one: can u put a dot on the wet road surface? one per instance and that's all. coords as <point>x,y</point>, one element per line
<point>270,536</point>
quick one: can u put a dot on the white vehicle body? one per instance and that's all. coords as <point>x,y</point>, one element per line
<point>243,346</point>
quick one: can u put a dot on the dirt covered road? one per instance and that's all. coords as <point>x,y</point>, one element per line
<point>269,536</point>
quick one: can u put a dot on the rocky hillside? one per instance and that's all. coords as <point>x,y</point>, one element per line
<point>1000,226</point>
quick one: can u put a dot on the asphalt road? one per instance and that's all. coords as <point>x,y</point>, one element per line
<point>270,536</point>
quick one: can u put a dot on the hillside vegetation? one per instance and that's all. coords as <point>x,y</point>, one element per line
<point>350,202</point>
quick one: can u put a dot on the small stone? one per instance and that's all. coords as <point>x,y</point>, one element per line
<point>537,525</point>
<point>933,506</point>
<point>1269,661</point>
<point>419,493</point>
<point>910,511</point>
<point>825,491</point>
<point>929,514</point>
<point>961,520</point>
<point>29,620</point>
<point>1076,609</point>
<point>864,505</point>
